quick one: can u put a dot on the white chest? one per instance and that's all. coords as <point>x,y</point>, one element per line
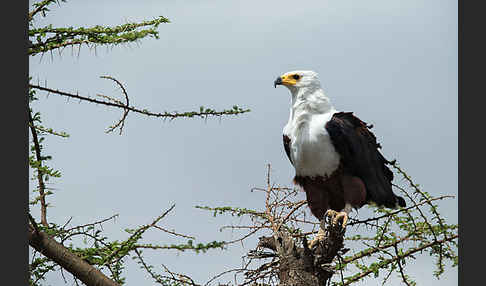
<point>311,149</point>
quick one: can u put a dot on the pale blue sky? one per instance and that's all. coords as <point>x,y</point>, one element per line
<point>394,63</point>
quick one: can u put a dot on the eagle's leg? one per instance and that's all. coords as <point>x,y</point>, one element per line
<point>319,237</point>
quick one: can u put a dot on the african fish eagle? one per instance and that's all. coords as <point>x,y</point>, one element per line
<point>335,155</point>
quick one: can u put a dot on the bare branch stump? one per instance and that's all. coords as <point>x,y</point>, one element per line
<point>300,265</point>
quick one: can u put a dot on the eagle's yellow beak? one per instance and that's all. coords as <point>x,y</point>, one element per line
<point>287,80</point>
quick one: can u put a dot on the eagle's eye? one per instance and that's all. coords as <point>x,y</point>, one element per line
<point>296,76</point>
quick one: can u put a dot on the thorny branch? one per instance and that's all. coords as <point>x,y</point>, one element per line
<point>203,113</point>
<point>139,232</point>
<point>404,278</point>
<point>97,256</point>
<point>40,175</point>
<point>48,38</point>
<point>433,208</point>
<point>48,254</point>
<point>66,259</point>
<point>353,222</point>
<point>41,7</point>
<point>406,254</point>
<point>163,280</point>
<point>400,234</point>
<point>100,222</point>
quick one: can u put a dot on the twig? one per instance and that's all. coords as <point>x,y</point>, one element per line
<point>223,273</point>
<point>399,211</point>
<point>375,249</point>
<point>91,224</point>
<point>38,9</point>
<point>400,266</point>
<point>244,237</point>
<point>299,204</point>
<point>174,233</point>
<point>409,253</point>
<point>121,122</point>
<point>185,277</point>
<point>432,208</point>
<point>268,208</point>
<point>136,233</point>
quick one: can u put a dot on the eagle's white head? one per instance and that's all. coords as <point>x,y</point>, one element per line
<point>296,80</point>
<point>306,91</point>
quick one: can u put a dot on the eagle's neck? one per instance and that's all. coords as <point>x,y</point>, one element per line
<point>306,102</point>
<point>312,152</point>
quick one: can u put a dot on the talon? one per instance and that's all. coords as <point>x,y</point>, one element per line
<point>335,216</point>
<point>342,215</point>
<point>331,214</point>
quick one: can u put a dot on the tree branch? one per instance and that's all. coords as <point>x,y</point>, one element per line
<point>353,222</point>
<point>407,254</point>
<point>41,7</point>
<point>67,260</point>
<point>40,179</point>
<point>201,113</point>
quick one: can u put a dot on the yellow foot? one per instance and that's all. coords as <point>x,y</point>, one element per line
<point>335,216</point>
<point>320,236</point>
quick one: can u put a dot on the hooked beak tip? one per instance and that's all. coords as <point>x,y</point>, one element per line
<point>277,82</point>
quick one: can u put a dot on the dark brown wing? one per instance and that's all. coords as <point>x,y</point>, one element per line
<point>286,143</point>
<point>360,157</point>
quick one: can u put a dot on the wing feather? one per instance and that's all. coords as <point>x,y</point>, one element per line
<point>361,157</point>
<point>286,143</point>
